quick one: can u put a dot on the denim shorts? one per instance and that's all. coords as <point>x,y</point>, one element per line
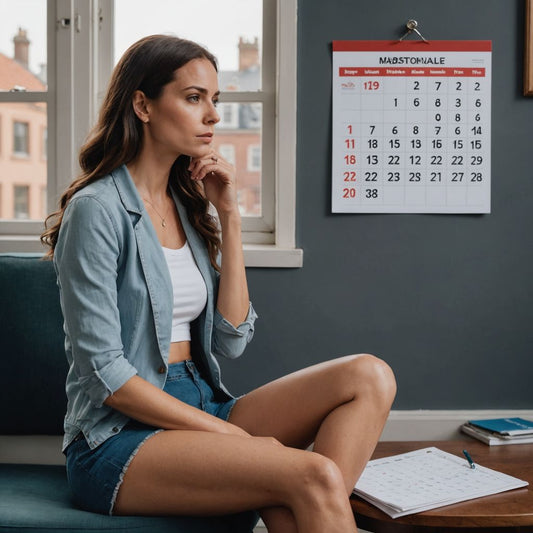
<point>95,476</point>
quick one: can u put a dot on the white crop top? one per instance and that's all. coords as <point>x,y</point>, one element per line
<point>190,292</point>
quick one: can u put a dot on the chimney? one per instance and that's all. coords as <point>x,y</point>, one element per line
<point>22,48</point>
<point>248,54</point>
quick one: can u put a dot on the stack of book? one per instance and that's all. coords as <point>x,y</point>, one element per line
<point>498,431</point>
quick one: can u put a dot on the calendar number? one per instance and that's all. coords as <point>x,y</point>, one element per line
<point>349,176</point>
<point>371,85</point>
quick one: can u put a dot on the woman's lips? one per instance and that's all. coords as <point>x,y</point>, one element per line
<point>206,137</point>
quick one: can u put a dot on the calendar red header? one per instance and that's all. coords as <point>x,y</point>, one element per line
<point>412,46</point>
<point>419,71</point>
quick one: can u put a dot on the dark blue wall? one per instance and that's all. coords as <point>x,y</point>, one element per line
<point>445,299</point>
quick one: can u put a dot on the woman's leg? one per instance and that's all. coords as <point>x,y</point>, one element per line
<point>189,472</point>
<point>340,405</point>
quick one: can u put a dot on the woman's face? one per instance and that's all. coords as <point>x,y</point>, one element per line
<point>181,121</point>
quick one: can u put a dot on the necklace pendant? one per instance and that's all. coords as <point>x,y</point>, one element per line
<point>163,223</point>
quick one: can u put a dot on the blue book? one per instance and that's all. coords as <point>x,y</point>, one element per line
<point>505,426</point>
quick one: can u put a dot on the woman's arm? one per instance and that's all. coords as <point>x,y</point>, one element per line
<point>233,300</point>
<point>141,400</point>
<point>218,178</point>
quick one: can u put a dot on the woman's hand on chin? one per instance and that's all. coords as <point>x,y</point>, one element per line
<point>218,179</point>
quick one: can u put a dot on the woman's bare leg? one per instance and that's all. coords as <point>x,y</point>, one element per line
<point>340,405</point>
<point>188,472</point>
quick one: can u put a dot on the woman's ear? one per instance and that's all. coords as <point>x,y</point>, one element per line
<point>140,106</point>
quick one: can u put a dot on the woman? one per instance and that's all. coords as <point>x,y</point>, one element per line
<point>150,428</point>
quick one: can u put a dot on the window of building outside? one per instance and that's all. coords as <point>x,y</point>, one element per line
<point>21,201</point>
<point>254,157</point>
<point>227,151</point>
<point>44,143</point>
<point>229,116</point>
<point>21,138</point>
<point>23,109</point>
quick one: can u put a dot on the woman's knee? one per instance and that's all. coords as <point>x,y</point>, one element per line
<point>373,376</point>
<point>320,477</point>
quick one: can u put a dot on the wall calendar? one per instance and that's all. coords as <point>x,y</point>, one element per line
<point>411,127</point>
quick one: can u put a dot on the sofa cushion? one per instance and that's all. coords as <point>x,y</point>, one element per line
<point>35,498</point>
<point>33,366</point>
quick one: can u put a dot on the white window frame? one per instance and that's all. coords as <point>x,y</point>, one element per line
<point>282,252</point>
<point>77,77</point>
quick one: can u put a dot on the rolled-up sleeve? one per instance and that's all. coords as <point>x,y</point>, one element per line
<point>86,260</point>
<point>230,341</point>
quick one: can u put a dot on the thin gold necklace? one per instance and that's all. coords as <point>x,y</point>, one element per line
<point>163,223</point>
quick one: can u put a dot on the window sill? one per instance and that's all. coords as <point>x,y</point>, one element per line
<point>271,256</point>
<point>255,255</point>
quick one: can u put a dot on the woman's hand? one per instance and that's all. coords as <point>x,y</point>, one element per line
<point>218,178</point>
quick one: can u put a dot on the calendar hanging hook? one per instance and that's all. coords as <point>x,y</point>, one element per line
<point>412,26</point>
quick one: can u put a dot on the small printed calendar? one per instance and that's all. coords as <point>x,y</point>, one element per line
<point>426,479</point>
<point>411,127</point>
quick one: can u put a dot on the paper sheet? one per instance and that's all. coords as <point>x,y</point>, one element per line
<point>425,479</point>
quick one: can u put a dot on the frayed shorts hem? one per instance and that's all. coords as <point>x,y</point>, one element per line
<point>125,468</point>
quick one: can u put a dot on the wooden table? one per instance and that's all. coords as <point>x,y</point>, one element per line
<point>510,511</point>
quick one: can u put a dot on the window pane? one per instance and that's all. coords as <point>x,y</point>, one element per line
<point>230,29</point>
<point>22,160</point>
<point>240,144</point>
<point>23,45</point>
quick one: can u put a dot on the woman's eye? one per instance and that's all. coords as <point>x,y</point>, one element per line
<point>215,102</point>
<point>194,98</point>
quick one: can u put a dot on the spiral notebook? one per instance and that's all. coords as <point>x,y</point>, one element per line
<point>426,479</point>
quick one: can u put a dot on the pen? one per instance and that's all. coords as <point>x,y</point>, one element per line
<point>469,459</point>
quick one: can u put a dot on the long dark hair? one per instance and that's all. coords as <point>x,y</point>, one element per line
<point>148,65</point>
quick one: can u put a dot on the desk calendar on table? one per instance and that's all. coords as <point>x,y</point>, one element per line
<point>411,127</point>
<point>426,479</point>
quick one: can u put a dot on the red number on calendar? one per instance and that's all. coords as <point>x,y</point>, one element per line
<point>349,176</point>
<point>371,85</point>
<point>348,192</point>
<point>350,159</point>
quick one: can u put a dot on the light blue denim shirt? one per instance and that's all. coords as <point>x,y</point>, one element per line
<point>116,298</point>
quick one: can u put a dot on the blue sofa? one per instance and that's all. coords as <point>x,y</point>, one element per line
<point>35,497</point>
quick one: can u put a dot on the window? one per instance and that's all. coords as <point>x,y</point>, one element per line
<point>227,151</point>
<point>258,100</point>
<point>21,201</point>
<point>44,142</point>
<point>229,116</point>
<point>21,135</point>
<point>254,157</point>
<point>24,107</point>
